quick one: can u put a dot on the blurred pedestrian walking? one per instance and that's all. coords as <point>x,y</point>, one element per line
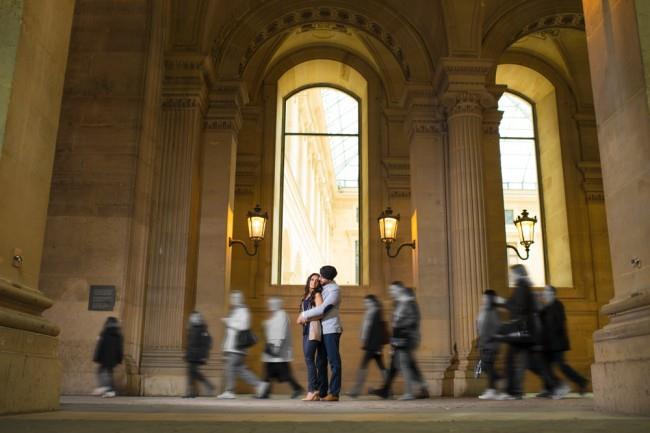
<point>109,352</point>
<point>278,351</point>
<point>199,343</point>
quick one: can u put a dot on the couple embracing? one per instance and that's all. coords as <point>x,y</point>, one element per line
<point>322,330</point>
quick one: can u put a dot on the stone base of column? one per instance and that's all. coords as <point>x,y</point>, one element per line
<point>436,372</point>
<point>620,378</point>
<point>164,373</point>
<point>31,369</point>
<point>464,382</point>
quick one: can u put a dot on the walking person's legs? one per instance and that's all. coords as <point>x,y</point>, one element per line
<point>570,373</point>
<point>362,372</point>
<point>405,367</point>
<point>190,391</point>
<point>229,376</point>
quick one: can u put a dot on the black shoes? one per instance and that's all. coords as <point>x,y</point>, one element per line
<point>379,392</point>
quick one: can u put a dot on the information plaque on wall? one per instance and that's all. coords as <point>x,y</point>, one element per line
<point>102,298</point>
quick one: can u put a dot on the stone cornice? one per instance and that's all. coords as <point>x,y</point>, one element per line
<point>566,20</point>
<point>455,74</point>
<point>225,103</point>
<point>247,173</point>
<point>398,176</point>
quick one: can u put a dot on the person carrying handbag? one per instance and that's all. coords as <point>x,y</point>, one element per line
<point>312,342</point>
<point>523,335</point>
<point>238,321</point>
<point>278,351</point>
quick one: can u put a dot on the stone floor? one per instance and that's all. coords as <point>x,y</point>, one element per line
<point>203,415</point>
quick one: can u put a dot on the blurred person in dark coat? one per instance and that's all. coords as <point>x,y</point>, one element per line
<point>487,325</point>
<point>374,335</point>
<point>404,341</point>
<point>109,352</point>
<point>524,345</point>
<point>199,344</point>
<point>555,340</point>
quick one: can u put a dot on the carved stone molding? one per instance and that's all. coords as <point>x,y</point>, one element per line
<point>491,122</point>
<point>398,176</point>
<point>247,174</point>
<point>592,180</point>
<point>308,19</point>
<point>568,20</point>
<point>467,103</point>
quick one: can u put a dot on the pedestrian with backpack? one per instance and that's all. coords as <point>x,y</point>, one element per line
<point>199,344</point>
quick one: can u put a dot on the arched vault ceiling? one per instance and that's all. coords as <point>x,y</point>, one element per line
<point>566,51</point>
<point>237,43</point>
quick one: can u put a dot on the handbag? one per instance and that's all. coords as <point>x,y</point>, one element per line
<point>245,339</point>
<point>514,331</point>
<point>315,331</point>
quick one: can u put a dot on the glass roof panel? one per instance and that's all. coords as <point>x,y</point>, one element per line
<point>322,110</point>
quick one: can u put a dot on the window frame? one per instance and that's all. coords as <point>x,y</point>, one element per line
<point>540,185</point>
<point>284,134</point>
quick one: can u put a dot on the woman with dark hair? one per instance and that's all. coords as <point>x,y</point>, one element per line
<point>374,335</point>
<point>312,342</point>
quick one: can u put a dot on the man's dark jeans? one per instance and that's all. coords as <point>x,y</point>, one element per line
<point>331,343</point>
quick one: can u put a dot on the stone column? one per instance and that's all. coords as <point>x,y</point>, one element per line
<point>222,124</point>
<point>428,179</point>
<point>469,260</point>
<point>34,40</point>
<point>173,243</point>
<point>493,190</point>
<point>462,86</point>
<point>618,41</point>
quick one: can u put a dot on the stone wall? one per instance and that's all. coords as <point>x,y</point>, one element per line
<point>90,211</point>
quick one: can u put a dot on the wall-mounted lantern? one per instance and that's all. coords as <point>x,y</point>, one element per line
<point>526,228</point>
<point>388,231</point>
<point>256,227</point>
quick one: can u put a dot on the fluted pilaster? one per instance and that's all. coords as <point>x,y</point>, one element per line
<point>173,242</point>
<point>469,264</point>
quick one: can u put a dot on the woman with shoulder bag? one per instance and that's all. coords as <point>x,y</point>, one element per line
<point>312,342</point>
<point>238,324</point>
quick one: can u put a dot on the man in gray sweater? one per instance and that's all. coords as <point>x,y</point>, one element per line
<point>328,313</point>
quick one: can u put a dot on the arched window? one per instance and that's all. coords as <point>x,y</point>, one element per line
<point>319,185</point>
<point>521,180</point>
